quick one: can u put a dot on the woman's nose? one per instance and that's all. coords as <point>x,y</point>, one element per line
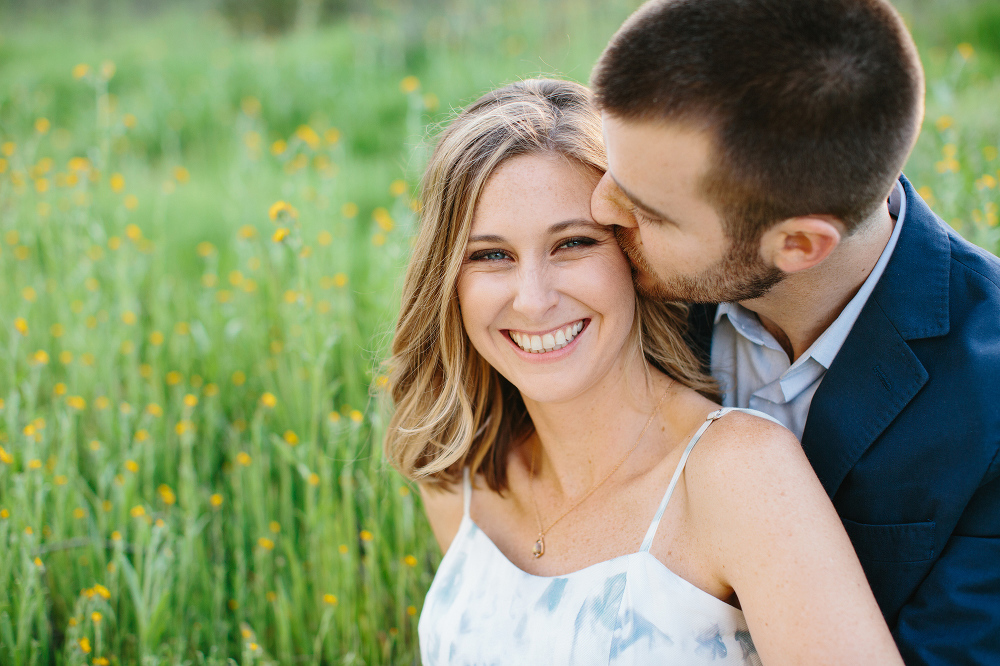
<point>609,205</point>
<point>535,294</point>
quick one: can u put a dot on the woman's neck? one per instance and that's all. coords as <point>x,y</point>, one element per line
<point>579,441</point>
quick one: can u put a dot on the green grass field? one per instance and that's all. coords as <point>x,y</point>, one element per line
<point>201,239</point>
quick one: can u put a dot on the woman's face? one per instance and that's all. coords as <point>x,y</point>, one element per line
<point>546,293</point>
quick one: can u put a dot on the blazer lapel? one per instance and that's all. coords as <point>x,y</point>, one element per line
<point>876,374</point>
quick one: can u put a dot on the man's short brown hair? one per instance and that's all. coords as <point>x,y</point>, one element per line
<point>813,105</point>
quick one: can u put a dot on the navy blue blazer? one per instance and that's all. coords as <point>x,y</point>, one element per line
<point>904,433</point>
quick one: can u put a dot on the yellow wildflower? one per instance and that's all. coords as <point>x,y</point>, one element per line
<point>280,234</point>
<point>268,400</point>
<point>215,500</point>
<point>308,135</point>
<point>21,325</point>
<point>166,494</point>
<point>81,70</point>
<point>42,125</point>
<point>84,644</point>
<point>330,599</point>
<point>137,511</point>
<point>265,543</point>
<point>383,219</point>
<point>279,207</point>
<point>409,84</point>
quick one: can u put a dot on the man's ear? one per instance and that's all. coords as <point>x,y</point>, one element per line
<point>799,243</point>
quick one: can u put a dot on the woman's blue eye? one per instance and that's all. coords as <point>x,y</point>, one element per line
<point>577,242</point>
<point>489,255</point>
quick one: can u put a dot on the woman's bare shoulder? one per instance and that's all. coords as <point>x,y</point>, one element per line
<point>444,507</point>
<point>749,441</point>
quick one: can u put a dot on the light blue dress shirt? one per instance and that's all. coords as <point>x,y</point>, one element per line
<point>754,371</point>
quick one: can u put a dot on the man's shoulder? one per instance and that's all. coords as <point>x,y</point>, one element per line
<point>972,264</point>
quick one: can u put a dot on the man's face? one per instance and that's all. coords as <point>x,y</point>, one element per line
<point>672,235</point>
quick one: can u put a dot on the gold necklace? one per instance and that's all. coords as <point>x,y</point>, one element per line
<point>539,548</point>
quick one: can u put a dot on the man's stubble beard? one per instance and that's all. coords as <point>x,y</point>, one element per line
<point>739,276</point>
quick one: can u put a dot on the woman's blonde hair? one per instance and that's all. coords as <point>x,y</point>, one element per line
<point>452,409</point>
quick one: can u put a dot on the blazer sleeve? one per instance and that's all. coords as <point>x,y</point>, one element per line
<point>954,615</point>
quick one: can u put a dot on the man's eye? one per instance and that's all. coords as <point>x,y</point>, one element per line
<point>489,255</point>
<point>642,217</point>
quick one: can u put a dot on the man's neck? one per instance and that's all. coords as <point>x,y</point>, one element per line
<point>798,309</point>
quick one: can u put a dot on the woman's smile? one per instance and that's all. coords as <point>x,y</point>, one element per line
<point>549,341</point>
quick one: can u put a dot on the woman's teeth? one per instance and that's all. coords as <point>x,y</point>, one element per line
<point>539,344</point>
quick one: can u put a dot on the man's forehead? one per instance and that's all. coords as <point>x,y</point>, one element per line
<point>645,155</point>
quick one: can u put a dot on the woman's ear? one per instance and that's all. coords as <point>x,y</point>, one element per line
<point>799,243</point>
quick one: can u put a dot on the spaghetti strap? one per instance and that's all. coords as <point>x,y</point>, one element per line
<point>647,542</point>
<point>466,492</point>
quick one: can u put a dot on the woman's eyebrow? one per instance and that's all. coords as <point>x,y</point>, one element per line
<point>559,227</point>
<point>556,228</point>
<point>487,238</point>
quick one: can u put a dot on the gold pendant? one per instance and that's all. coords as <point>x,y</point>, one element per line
<point>539,548</point>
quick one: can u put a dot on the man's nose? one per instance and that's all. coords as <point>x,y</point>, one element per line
<point>535,294</point>
<point>609,205</point>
